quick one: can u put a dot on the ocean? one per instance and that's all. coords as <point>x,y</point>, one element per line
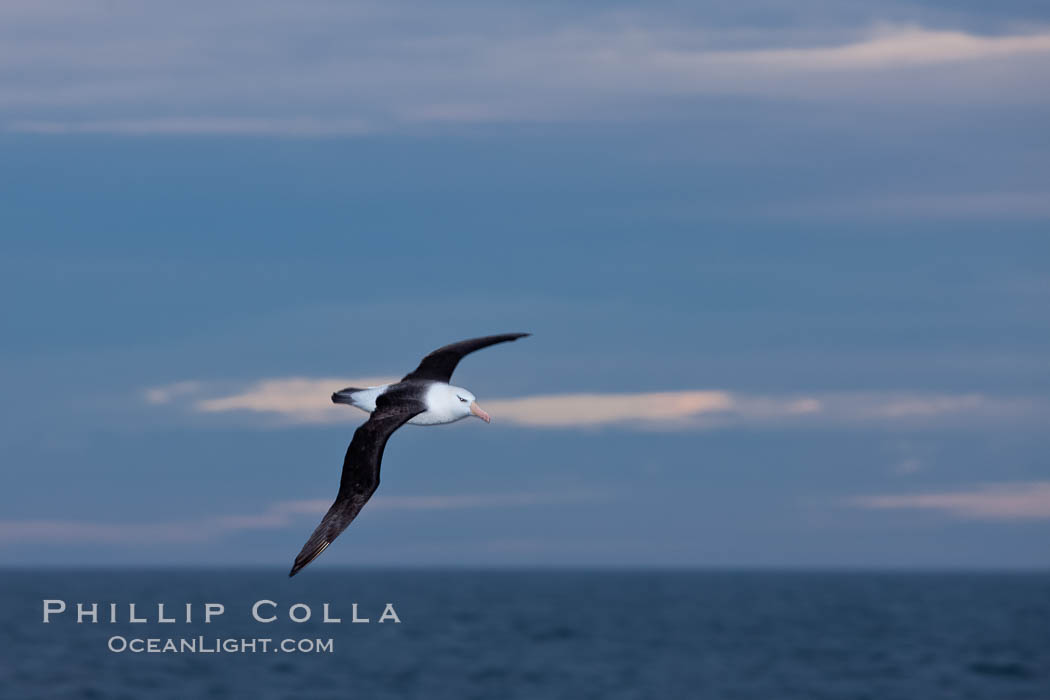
<point>533,634</point>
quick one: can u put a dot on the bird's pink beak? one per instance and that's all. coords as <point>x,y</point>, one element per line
<point>476,410</point>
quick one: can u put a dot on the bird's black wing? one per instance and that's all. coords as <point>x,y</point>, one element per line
<point>439,365</point>
<point>360,472</point>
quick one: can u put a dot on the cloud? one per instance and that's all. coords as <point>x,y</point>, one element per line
<point>1009,501</point>
<point>954,205</point>
<point>247,126</point>
<point>890,47</point>
<point>169,392</point>
<point>908,465</point>
<point>298,400</point>
<point>277,516</point>
<point>668,409</point>
<point>930,405</point>
<point>351,68</point>
<point>582,410</point>
<point>303,400</point>
<point>295,398</point>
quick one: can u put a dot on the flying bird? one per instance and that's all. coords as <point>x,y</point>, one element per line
<point>422,397</point>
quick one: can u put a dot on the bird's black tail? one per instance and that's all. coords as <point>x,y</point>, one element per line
<point>345,395</point>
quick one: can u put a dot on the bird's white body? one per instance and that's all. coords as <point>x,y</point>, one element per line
<point>445,403</point>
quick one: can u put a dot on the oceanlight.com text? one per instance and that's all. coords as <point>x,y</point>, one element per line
<point>218,645</point>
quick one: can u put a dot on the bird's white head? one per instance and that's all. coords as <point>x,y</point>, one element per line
<point>457,403</point>
<point>468,404</point>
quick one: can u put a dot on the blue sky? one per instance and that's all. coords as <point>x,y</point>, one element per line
<point>787,271</point>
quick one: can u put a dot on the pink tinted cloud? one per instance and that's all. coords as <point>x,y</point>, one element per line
<point>277,516</point>
<point>1007,501</point>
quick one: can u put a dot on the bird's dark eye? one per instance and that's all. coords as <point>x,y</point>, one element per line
<point>462,399</point>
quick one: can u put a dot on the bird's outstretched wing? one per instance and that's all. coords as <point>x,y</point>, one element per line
<point>360,473</point>
<point>439,365</point>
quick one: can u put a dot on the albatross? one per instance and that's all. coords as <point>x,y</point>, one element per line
<point>422,397</point>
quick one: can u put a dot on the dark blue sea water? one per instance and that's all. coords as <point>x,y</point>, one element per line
<point>543,634</point>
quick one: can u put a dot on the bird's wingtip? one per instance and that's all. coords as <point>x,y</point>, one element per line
<point>307,556</point>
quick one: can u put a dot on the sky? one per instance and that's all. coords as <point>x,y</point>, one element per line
<point>786,268</point>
